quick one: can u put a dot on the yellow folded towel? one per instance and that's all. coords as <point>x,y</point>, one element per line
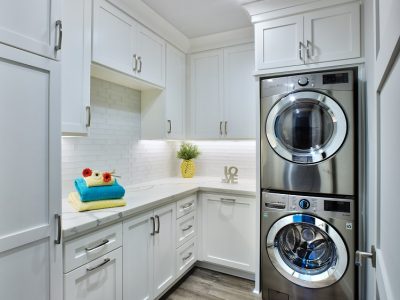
<point>76,203</point>
<point>98,180</point>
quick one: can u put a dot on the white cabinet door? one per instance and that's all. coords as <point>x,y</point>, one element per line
<point>175,93</point>
<point>229,231</point>
<point>31,25</point>
<point>101,279</point>
<point>333,33</point>
<point>30,260</point>
<point>279,43</point>
<point>239,92</point>
<point>138,258</point>
<point>151,56</point>
<point>164,248</point>
<point>113,36</point>
<point>75,70</point>
<point>207,94</point>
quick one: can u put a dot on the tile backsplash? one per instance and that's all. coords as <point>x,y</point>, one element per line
<point>114,143</point>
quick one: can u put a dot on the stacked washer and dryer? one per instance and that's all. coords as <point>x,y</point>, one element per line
<point>309,186</point>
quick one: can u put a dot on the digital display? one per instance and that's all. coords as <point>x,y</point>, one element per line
<point>335,78</point>
<point>339,206</point>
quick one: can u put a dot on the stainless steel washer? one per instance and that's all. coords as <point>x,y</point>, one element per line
<point>307,247</point>
<point>308,133</point>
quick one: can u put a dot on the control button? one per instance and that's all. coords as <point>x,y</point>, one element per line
<point>303,81</point>
<point>304,204</point>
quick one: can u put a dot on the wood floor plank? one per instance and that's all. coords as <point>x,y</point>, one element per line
<point>203,284</point>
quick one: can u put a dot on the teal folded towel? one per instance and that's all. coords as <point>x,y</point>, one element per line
<point>94,193</point>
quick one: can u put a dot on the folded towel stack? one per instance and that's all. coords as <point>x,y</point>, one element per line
<point>96,190</point>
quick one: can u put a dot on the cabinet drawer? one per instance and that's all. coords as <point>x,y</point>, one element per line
<point>186,228</point>
<point>100,279</point>
<point>186,256</point>
<point>91,246</point>
<point>185,206</point>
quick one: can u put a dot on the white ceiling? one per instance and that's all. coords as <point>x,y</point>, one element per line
<point>196,18</point>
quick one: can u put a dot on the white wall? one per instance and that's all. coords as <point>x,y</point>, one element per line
<point>114,143</point>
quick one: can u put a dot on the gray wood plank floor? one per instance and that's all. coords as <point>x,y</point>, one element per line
<point>210,285</point>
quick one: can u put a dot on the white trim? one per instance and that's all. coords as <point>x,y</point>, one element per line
<point>222,39</point>
<point>382,281</point>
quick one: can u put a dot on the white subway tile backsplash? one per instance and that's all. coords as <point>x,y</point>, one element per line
<point>114,143</point>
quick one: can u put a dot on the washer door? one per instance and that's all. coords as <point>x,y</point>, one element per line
<point>307,251</point>
<point>306,127</point>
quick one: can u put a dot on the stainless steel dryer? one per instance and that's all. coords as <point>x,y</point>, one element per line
<point>308,133</point>
<point>307,248</point>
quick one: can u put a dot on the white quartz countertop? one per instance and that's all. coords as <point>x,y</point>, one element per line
<point>146,196</point>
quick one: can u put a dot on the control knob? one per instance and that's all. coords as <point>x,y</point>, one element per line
<point>303,81</point>
<point>304,204</point>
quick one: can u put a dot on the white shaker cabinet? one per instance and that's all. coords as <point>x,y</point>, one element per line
<point>332,33</point>
<point>75,71</point>
<point>279,42</point>
<point>30,250</point>
<point>206,88</point>
<point>222,93</point>
<point>122,44</point>
<point>163,112</point>
<point>229,230</point>
<point>34,26</point>
<point>101,279</point>
<point>149,253</point>
<point>239,101</point>
<point>323,35</point>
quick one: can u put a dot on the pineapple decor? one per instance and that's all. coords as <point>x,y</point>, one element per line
<point>188,152</point>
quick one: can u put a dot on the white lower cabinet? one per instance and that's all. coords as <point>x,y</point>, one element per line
<point>229,231</point>
<point>101,279</point>
<point>149,253</point>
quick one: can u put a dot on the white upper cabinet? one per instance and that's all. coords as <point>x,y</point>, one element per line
<point>323,35</point>
<point>122,44</point>
<point>278,42</point>
<point>75,71</point>
<point>34,26</point>
<point>222,93</point>
<point>332,33</point>
<point>113,38</point>
<point>151,56</point>
<point>206,94</point>
<point>175,93</point>
<point>239,93</point>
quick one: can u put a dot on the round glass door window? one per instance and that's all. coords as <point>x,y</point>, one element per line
<point>307,251</point>
<point>306,127</point>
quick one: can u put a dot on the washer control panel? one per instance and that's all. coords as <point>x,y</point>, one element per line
<point>324,206</point>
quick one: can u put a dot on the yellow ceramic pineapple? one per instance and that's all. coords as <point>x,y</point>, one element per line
<point>188,152</point>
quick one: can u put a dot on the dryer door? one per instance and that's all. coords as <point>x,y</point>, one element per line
<point>307,251</point>
<point>306,127</point>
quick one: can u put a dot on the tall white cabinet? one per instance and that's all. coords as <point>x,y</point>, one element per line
<point>30,253</point>
<point>222,101</point>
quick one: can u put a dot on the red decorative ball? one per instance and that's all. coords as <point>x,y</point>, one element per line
<point>106,177</point>
<point>87,172</point>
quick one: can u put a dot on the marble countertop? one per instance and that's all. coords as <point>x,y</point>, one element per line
<point>146,196</point>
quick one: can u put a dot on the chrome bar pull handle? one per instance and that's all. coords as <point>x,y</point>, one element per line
<point>226,127</point>
<point>187,228</point>
<point>59,35</point>
<point>154,226</point>
<point>186,206</point>
<point>103,243</point>
<point>140,64</point>
<point>170,126</point>
<point>158,224</point>
<point>58,238</point>
<point>301,45</point>
<point>187,257</point>
<point>135,63</point>
<point>360,255</point>
<point>228,200</point>
<point>99,265</point>
<point>308,49</point>
<point>220,128</point>
<point>89,116</point>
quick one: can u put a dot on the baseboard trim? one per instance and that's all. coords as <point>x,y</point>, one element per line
<point>226,270</point>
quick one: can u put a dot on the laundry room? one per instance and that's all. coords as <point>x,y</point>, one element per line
<point>199,149</point>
